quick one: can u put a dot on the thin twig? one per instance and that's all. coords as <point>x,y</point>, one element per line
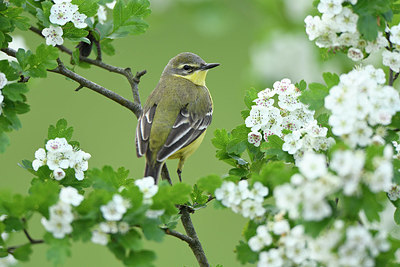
<point>28,236</point>
<point>83,82</point>
<point>179,235</point>
<point>133,80</point>
<point>191,232</point>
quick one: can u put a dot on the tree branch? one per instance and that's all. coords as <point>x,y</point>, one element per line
<point>133,80</point>
<point>135,107</point>
<point>83,82</point>
<point>28,236</point>
<point>191,232</point>
<point>179,235</point>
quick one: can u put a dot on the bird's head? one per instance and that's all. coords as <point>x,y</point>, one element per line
<point>189,66</point>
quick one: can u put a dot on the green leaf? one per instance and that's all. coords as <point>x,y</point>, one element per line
<point>152,231</point>
<point>245,254</point>
<point>274,148</point>
<point>368,27</point>
<point>60,130</point>
<point>108,179</point>
<point>314,228</point>
<point>331,79</point>
<point>59,249</point>
<point>87,7</point>
<point>22,253</point>
<point>275,173</point>
<point>15,91</point>
<point>13,224</point>
<point>249,97</point>
<point>314,96</point>
<point>128,17</point>
<point>209,183</point>
<point>143,258</point>
<point>302,85</point>
<point>221,138</point>
<point>180,193</point>
<point>131,240</point>
<point>236,146</point>
<point>197,196</point>
<point>397,216</point>
<point>72,33</point>
<point>107,47</point>
<point>43,194</point>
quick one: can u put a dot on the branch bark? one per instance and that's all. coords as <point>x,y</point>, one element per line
<point>191,232</point>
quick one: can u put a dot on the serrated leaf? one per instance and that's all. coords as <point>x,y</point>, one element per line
<point>314,96</point>
<point>209,183</point>
<point>274,148</point>
<point>42,195</point>
<point>331,79</point>
<point>59,249</point>
<point>180,193</point>
<point>249,97</point>
<point>60,130</point>
<point>221,138</point>
<point>131,240</point>
<point>23,252</point>
<point>368,27</point>
<point>143,258</point>
<point>302,85</point>
<point>87,7</point>
<point>15,91</point>
<point>275,173</point>
<point>152,231</point>
<point>244,254</point>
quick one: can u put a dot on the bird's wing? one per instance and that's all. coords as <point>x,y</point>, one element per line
<point>143,130</point>
<point>185,130</point>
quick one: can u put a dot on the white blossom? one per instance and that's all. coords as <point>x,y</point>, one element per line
<point>147,187</point>
<point>71,196</point>
<point>99,237</point>
<point>58,226</point>
<point>79,20</point>
<point>313,165</point>
<point>61,13</point>
<point>53,35</point>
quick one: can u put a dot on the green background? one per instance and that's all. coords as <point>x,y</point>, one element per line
<point>226,32</point>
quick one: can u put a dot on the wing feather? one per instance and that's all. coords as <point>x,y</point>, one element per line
<point>143,130</point>
<point>185,130</point>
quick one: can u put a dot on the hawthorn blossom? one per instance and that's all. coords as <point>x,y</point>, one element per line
<point>53,35</point>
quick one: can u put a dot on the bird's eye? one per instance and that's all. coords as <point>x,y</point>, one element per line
<point>187,67</point>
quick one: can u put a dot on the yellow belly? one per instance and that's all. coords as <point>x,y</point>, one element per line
<point>185,152</point>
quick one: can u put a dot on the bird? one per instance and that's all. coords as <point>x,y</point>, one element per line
<point>176,115</point>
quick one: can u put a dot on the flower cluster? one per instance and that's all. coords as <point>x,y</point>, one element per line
<point>241,199</point>
<point>359,101</point>
<point>113,212</point>
<point>289,119</point>
<point>307,193</point>
<point>337,29</point>
<point>3,82</point>
<point>147,186</point>
<point>58,156</point>
<point>308,190</point>
<point>337,246</point>
<point>61,216</point>
<point>60,13</point>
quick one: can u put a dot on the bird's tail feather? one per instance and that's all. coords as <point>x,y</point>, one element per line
<point>153,170</point>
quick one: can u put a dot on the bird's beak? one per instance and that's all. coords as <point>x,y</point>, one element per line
<point>210,66</point>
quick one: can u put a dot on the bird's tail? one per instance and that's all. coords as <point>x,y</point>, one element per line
<point>153,170</point>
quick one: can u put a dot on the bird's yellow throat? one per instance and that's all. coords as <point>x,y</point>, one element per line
<point>197,77</point>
